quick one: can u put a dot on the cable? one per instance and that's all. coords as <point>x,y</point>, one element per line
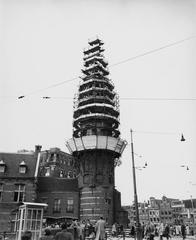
<point>153,132</point>
<point>133,99</point>
<point>159,99</point>
<point>122,98</point>
<point>152,51</point>
<point>51,86</point>
<point>112,65</point>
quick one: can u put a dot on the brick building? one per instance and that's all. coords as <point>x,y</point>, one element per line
<point>58,185</point>
<point>62,197</point>
<point>18,173</point>
<point>144,213</point>
<point>166,210</point>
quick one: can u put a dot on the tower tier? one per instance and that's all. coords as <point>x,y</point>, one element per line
<point>96,142</point>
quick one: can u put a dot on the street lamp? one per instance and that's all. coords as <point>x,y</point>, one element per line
<point>138,227</point>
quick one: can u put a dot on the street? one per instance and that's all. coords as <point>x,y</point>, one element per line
<point>156,238</point>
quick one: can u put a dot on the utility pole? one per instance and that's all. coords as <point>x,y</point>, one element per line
<point>193,210</point>
<point>138,227</point>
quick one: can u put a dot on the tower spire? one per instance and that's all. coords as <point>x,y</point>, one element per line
<point>97,111</point>
<point>96,139</point>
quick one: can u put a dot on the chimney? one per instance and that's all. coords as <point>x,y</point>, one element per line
<point>37,149</point>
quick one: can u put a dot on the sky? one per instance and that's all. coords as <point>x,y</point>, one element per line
<point>41,45</point>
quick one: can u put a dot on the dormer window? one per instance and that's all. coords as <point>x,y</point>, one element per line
<point>2,166</point>
<point>22,167</point>
<point>47,173</point>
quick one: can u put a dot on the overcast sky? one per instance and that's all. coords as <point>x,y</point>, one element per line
<point>41,44</point>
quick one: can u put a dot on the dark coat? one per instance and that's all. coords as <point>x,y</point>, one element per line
<point>183,230</point>
<point>64,235</point>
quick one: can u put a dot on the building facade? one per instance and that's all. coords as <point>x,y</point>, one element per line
<point>57,186</point>
<point>167,210</point>
<point>18,173</point>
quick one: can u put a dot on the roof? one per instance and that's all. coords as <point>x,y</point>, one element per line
<point>52,184</point>
<point>12,162</point>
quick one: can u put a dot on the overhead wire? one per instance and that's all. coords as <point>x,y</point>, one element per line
<point>113,65</point>
<point>121,62</point>
<point>51,86</point>
<point>132,98</point>
<point>153,51</point>
<point>158,99</point>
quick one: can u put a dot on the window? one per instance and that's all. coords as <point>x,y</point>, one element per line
<point>70,205</point>
<point>2,166</point>
<point>1,191</point>
<point>61,173</point>
<point>55,157</point>
<point>22,167</point>
<point>70,174</point>
<point>45,200</point>
<point>19,193</point>
<point>69,162</point>
<point>57,205</point>
<point>89,132</point>
<point>74,174</point>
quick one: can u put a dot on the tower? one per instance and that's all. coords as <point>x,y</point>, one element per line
<point>96,141</point>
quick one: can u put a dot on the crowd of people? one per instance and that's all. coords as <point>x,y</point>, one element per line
<point>88,230</point>
<point>80,229</point>
<point>77,230</point>
<point>161,230</point>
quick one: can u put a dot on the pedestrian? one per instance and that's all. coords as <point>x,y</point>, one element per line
<point>183,231</point>
<point>167,231</point>
<point>114,230</point>
<point>121,229</point>
<point>187,230</point>
<point>150,231</point>
<point>178,230</point>
<point>80,231</point>
<point>26,235</point>
<point>132,233</point>
<point>74,227</point>
<point>4,236</point>
<point>161,230</point>
<point>64,234</point>
<point>48,235</point>
<point>100,229</point>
